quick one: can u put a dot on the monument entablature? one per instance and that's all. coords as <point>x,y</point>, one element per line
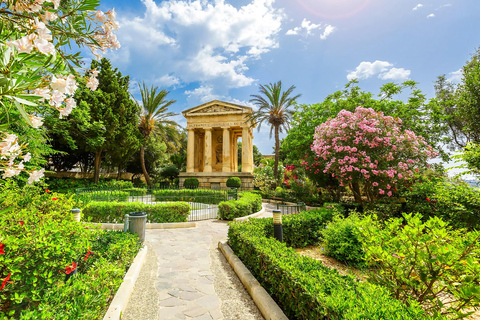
<point>213,132</point>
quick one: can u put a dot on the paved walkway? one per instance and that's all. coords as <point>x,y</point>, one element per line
<point>187,277</point>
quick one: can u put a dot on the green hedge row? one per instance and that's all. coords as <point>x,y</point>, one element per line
<point>303,287</point>
<point>114,212</point>
<point>247,204</point>
<point>192,195</point>
<point>104,195</point>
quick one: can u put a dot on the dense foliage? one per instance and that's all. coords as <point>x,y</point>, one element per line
<point>234,182</point>
<point>196,195</point>
<point>191,183</point>
<point>247,204</point>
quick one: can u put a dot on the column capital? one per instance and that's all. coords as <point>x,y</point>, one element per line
<point>207,128</point>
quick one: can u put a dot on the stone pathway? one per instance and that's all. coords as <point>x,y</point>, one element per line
<point>187,277</point>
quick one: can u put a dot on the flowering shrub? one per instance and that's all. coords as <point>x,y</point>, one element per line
<point>425,261</point>
<point>368,152</point>
<point>263,177</point>
<point>35,68</point>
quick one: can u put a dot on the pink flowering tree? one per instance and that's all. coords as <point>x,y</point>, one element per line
<point>368,152</point>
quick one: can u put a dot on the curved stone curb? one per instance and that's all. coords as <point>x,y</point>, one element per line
<point>171,225</point>
<point>253,215</point>
<point>120,301</point>
<point>267,306</point>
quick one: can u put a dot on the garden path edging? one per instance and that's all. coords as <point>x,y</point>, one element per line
<point>267,306</point>
<point>253,215</point>
<point>170,225</point>
<point>120,300</point>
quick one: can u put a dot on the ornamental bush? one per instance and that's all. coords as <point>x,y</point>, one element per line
<point>427,262</point>
<point>191,183</point>
<point>234,182</point>
<point>198,195</point>
<point>114,212</point>
<point>247,204</point>
<point>369,152</point>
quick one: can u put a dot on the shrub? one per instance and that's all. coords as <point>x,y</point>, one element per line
<point>247,204</point>
<point>70,185</point>
<point>303,286</point>
<point>114,212</point>
<point>234,182</point>
<point>170,173</point>
<point>342,240</point>
<point>197,195</point>
<point>422,261</point>
<point>191,183</point>
<point>103,195</point>
<point>136,192</point>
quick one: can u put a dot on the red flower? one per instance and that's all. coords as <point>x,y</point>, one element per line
<point>434,201</point>
<point>54,199</point>
<point>88,253</point>
<point>21,223</point>
<point>73,181</point>
<point>427,199</point>
<point>47,191</point>
<point>4,282</point>
<point>2,247</point>
<point>69,269</point>
<point>396,256</point>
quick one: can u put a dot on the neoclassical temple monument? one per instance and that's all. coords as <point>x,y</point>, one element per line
<point>213,132</point>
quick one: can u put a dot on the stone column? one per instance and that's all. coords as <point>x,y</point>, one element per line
<point>250,135</point>
<point>226,150</point>
<point>191,151</point>
<point>246,150</point>
<point>235,153</point>
<point>208,150</point>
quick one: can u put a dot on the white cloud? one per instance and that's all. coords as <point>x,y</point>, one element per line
<point>308,28</point>
<point>199,41</point>
<point>395,74</point>
<point>203,94</point>
<point>418,6</point>
<point>444,6</point>
<point>431,15</point>
<point>328,31</point>
<point>455,76</point>
<point>383,69</point>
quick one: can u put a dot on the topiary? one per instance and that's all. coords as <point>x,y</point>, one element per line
<point>234,182</point>
<point>191,183</point>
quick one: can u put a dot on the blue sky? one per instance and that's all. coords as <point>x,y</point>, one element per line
<point>203,50</point>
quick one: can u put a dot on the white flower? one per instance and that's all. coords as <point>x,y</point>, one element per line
<point>36,121</point>
<point>45,34</point>
<point>27,157</point>
<point>35,176</point>
<point>44,93</point>
<point>100,16</point>
<point>10,172</point>
<point>94,72</point>
<point>111,14</point>
<point>50,16</point>
<point>23,45</point>
<point>56,3</point>
<point>59,84</point>
<point>7,143</point>
<point>57,98</point>
<point>21,166</point>
<point>92,83</point>
<point>115,45</point>
<point>44,46</point>
<point>71,84</point>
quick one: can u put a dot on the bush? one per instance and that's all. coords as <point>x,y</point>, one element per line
<point>422,261</point>
<point>234,182</point>
<point>136,192</point>
<point>188,195</point>
<point>104,195</point>
<point>191,183</point>
<point>170,173</point>
<point>69,185</point>
<point>342,240</point>
<point>247,204</point>
<point>88,295</point>
<point>303,286</point>
<point>114,212</point>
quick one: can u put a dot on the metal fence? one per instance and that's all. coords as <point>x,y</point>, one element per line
<point>203,202</point>
<point>291,209</point>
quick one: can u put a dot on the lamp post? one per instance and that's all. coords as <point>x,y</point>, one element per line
<point>277,225</point>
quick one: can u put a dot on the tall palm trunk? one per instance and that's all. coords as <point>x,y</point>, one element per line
<point>277,155</point>
<point>96,165</point>
<point>142,162</point>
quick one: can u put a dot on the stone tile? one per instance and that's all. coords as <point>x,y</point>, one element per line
<point>209,302</point>
<point>172,302</point>
<point>169,312</point>
<point>205,288</point>
<point>162,286</point>
<point>216,314</point>
<point>206,316</point>
<point>163,295</point>
<point>186,295</point>
<point>186,287</point>
<point>195,311</point>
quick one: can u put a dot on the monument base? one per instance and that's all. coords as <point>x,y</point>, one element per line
<point>217,180</point>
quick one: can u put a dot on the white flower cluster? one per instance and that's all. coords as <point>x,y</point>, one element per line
<point>60,94</point>
<point>92,82</point>
<point>10,151</point>
<point>105,36</point>
<point>40,39</point>
<point>32,6</point>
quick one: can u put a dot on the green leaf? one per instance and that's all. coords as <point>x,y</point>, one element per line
<point>23,112</point>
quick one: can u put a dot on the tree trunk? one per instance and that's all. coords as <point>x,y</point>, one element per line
<point>144,169</point>
<point>355,187</point>
<point>119,172</point>
<point>277,155</point>
<point>96,165</point>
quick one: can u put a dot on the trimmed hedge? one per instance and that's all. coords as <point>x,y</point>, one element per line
<point>247,204</point>
<point>136,192</point>
<point>188,195</point>
<point>104,195</point>
<point>114,212</point>
<point>191,183</point>
<point>303,286</point>
<point>234,182</point>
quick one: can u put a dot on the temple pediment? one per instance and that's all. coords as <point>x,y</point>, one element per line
<point>216,107</point>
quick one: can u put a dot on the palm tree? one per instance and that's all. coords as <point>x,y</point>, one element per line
<point>273,108</point>
<point>154,120</point>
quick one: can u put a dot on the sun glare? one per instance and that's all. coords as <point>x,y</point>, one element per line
<point>334,9</point>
